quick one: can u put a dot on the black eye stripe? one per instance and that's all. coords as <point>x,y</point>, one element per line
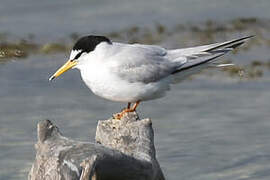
<point>78,55</point>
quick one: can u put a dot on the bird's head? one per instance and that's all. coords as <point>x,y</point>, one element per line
<point>82,47</point>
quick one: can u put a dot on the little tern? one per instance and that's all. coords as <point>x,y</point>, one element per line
<point>132,73</point>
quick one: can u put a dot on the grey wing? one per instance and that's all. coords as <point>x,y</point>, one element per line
<point>143,63</point>
<point>147,63</point>
<point>203,56</point>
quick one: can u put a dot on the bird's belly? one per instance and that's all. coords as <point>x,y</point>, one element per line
<point>114,88</point>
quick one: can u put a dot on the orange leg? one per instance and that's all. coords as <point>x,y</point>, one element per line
<point>135,106</point>
<point>128,106</point>
<point>128,109</point>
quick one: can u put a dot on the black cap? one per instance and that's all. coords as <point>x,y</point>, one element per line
<point>89,43</point>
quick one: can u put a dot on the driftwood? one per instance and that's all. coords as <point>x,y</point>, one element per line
<point>124,150</point>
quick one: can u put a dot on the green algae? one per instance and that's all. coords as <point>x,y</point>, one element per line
<point>51,48</point>
<point>255,69</point>
<point>23,48</point>
<point>184,35</point>
<point>20,49</point>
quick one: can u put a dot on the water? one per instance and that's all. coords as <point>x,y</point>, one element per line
<point>207,128</point>
<point>84,16</point>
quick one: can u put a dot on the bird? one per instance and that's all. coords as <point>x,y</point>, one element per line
<point>132,73</point>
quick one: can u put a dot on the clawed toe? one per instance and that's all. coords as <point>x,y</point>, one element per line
<point>117,116</point>
<point>126,110</point>
<point>121,114</point>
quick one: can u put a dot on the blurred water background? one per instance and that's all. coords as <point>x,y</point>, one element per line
<point>213,126</point>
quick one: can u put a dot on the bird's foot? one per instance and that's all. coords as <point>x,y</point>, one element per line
<point>122,113</point>
<point>126,110</point>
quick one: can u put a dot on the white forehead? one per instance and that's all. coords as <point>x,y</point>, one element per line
<point>74,53</point>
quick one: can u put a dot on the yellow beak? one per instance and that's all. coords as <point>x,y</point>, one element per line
<point>68,65</point>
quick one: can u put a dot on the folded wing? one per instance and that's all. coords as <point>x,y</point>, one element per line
<point>203,56</point>
<point>143,63</point>
<point>139,63</point>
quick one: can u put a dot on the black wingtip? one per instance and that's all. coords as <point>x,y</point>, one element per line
<point>244,38</point>
<point>241,41</point>
<point>234,43</point>
<point>251,36</point>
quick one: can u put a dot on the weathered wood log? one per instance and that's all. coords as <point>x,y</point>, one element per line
<point>124,150</point>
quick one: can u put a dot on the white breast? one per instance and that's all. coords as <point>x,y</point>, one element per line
<point>95,72</point>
